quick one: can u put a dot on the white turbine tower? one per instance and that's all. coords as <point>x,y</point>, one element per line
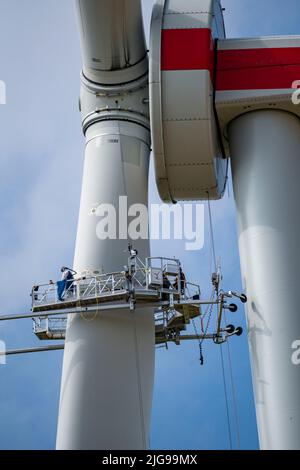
<point>108,368</point>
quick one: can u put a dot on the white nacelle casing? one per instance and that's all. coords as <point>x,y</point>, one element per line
<point>189,164</point>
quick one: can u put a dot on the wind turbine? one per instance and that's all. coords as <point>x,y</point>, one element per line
<point>202,100</point>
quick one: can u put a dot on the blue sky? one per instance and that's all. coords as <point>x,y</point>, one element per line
<point>41,150</point>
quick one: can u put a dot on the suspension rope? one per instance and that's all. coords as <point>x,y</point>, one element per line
<point>211,229</point>
<point>209,313</point>
<point>214,257</point>
<point>213,260</point>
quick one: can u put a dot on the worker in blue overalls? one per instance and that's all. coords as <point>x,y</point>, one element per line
<point>66,284</point>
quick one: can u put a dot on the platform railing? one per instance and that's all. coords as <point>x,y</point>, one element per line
<point>139,276</point>
<point>88,287</point>
<point>52,325</point>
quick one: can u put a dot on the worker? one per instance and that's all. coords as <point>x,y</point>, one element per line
<point>167,286</point>
<point>128,284</point>
<point>132,259</point>
<point>182,281</point>
<point>66,284</point>
<point>66,274</point>
<point>166,282</point>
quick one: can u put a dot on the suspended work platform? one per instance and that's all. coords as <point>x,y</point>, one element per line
<point>50,328</point>
<point>158,284</point>
<point>148,282</point>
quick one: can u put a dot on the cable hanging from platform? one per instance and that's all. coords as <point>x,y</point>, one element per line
<point>233,388</point>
